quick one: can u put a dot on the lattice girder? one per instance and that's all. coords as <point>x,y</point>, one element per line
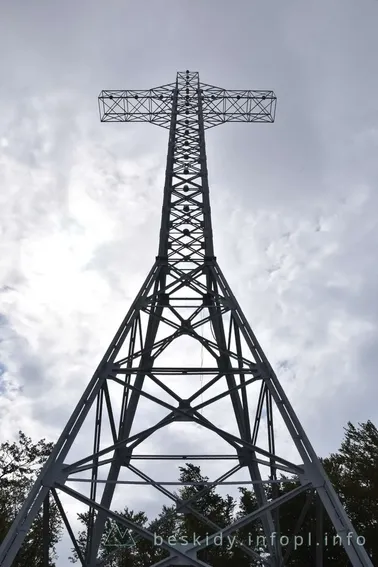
<point>218,105</point>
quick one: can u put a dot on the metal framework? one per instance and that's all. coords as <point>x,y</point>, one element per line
<point>185,297</point>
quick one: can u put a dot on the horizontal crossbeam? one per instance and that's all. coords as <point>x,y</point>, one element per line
<point>177,483</point>
<point>187,371</point>
<point>219,105</point>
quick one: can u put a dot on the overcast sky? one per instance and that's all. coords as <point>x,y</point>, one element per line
<point>295,205</point>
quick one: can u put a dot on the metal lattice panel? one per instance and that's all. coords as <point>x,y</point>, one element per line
<point>218,105</point>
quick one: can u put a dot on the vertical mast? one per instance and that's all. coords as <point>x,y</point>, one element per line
<point>186,233</point>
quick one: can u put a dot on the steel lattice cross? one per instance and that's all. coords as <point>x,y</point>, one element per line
<point>184,298</point>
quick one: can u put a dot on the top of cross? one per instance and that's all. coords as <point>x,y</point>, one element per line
<point>218,104</point>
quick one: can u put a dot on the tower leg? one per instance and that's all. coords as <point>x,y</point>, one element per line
<point>314,471</point>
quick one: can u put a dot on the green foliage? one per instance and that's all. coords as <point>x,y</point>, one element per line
<point>217,509</point>
<point>20,463</point>
<point>117,546</point>
<point>353,471</point>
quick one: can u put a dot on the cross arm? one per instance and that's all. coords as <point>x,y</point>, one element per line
<point>218,105</point>
<point>153,105</point>
<point>221,105</point>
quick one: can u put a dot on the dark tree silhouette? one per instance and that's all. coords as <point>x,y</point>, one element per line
<point>20,463</point>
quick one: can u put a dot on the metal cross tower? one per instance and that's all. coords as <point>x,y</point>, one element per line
<point>148,382</point>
